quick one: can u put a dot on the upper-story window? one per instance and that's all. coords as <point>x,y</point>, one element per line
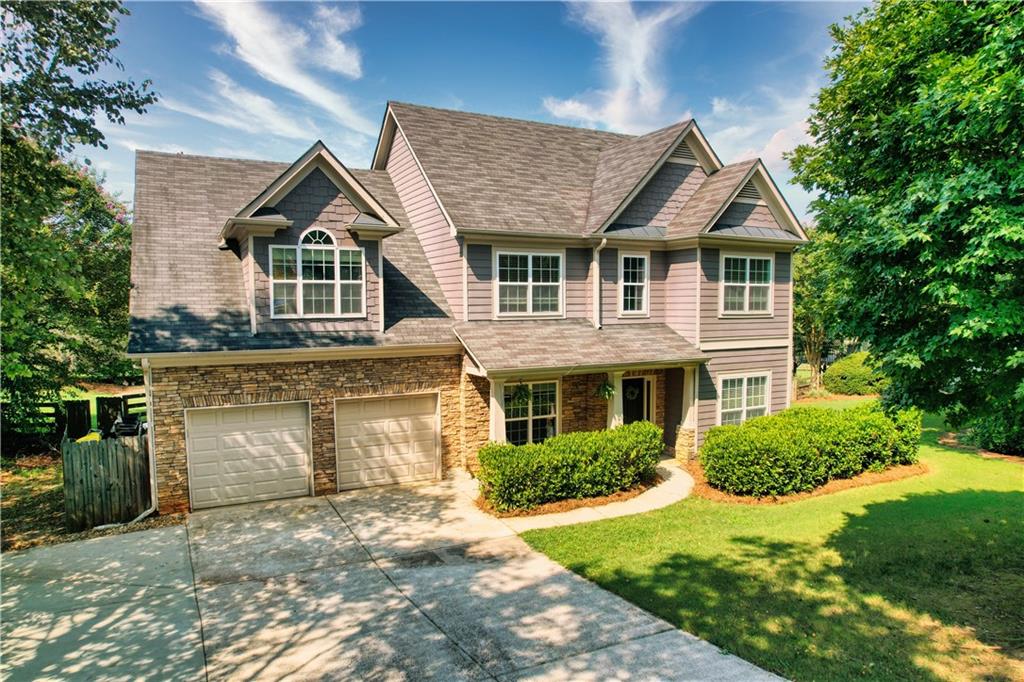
<point>317,278</point>
<point>634,273</point>
<point>746,284</point>
<point>529,284</point>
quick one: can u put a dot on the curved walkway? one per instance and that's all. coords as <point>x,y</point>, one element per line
<point>675,486</point>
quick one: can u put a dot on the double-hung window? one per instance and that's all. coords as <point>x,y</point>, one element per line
<point>633,276</point>
<point>316,278</point>
<point>746,284</point>
<point>743,398</point>
<point>529,284</point>
<point>531,419</point>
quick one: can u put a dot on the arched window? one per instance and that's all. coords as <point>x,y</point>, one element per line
<point>316,278</point>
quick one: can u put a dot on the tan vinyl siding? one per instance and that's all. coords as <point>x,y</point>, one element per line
<point>715,327</point>
<point>681,292</point>
<point>773,360</point>
<point>315,202</point>
<point>663,196</point>
<point>432,229</point>
<point>610,287</point>
<point>480,281</point>
<point>578,293</point>
<point>747,215</point>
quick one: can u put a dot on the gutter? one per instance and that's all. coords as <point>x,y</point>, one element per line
<point>597,282</point>
<point>147,372</point>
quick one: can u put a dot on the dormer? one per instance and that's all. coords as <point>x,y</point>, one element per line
<point>311,251</point>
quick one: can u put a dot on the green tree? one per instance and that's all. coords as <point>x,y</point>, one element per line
<point>816,287</point>
<point>918,161</point>
<point>63,256</point>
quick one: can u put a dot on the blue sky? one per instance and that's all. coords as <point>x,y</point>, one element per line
<point>265,80</point>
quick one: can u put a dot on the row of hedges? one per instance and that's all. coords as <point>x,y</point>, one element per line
<point>569,466</point>
<point>802,448</point>
<point>854,375</point>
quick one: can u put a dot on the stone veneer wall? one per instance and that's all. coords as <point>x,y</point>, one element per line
<point>582,408</point>
<point>175,389</point>
<point>476,418</point>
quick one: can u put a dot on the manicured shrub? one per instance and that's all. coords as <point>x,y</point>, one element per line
<point>853,375</point>
<point>1001,431</point>
<point>569,466</point>
<point>802,448</point>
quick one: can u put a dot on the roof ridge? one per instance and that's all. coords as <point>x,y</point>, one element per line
<point>182,155</point>
<point>495,117</point>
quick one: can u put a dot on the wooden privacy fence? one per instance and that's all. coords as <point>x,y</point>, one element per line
<point>105,481</point>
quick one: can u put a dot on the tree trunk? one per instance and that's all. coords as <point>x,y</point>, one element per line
<point>814,348</point>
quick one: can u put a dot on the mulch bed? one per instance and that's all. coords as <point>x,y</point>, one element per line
<point>701,488</point>
<point>950,439</point>
<point>569,505</point>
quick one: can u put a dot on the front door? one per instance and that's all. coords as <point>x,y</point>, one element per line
<point>636,400</point>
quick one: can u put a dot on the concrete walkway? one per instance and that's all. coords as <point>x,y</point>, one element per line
<point>389,583</point>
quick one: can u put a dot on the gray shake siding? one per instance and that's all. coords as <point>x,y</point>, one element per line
<point>681,292</point>
<point>747,215</point>
<point>715,327</point>
<point>432,229</point>
<point>663,197</point>
<point>315,201</point>
<point>773,360</point>
<point>480,280</point>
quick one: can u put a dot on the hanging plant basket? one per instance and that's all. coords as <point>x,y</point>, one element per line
<point>606,390</point>
<point>520,395</point>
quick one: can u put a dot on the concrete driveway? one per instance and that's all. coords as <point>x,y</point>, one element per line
<point>389,583</point>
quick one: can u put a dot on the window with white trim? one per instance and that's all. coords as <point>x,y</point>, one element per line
<point>317,278</point>
<point>533,419</point>
<point>743,398</point>
<point>747,283</point>
<point>529,283</point>
<point>633,284</point>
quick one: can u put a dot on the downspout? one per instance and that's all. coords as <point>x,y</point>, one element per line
<point>597,282</point>
<point>147,374</point>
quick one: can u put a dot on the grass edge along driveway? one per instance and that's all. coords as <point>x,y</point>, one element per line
<point>921,578</point>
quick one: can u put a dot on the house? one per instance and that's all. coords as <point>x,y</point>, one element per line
<point>306,328</point>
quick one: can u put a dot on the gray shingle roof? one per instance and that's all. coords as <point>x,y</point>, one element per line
<point>190,296</point>
<point>753,231</point>
<point>507,346</point>
<point>708,198</point>
<point>621,167</point>
<point>505,174</point>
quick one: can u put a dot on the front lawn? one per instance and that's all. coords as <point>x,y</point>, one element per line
<point>921,578</point>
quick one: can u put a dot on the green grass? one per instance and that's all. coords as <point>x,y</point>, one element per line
<point>921,578</point>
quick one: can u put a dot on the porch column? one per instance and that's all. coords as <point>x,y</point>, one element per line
<point>690,397</point>
<point>615,404</point>
<point>497,424</point>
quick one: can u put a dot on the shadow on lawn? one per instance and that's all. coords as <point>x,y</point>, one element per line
<point>922,588</point>
<point>957,556</point>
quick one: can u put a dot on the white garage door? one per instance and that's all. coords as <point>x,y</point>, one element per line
<point>386,440</point>
<point>244,454</point>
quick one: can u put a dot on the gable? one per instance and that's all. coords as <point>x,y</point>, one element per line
<point>316,200</point>
<point>663,196</point>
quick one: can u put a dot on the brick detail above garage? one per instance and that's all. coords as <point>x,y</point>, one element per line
<point>175,389</point>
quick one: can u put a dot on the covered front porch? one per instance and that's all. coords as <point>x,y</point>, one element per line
<point>533,379</point>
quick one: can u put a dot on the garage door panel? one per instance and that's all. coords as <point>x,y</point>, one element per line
<point>386,440</point>
<point>244,454</point>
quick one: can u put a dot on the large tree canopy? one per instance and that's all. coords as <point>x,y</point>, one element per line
<point>64,255</point>
<point>919,161</point>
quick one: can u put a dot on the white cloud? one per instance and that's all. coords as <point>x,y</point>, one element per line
<point>633,99</point>
<point>765,126</point>
<point>333,53</point>
<point>282,53</point>
<point>237,107</point>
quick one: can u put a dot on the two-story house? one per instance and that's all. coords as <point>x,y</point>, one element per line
<point>306,328</point>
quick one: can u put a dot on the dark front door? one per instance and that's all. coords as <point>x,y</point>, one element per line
<point>634,400</point>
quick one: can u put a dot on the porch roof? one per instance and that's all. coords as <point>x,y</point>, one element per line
<point>511,347</point>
